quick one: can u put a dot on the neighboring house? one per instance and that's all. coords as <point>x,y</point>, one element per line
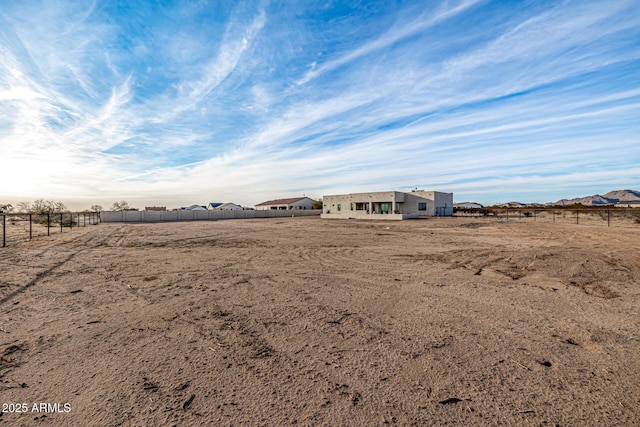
<point>213,205</point>
<point>194,208</point>
<point>512,205</point>
<point>228,207</point>
<point>286,204</point>
<point>387,205</point>
<point>468,205</point>
<point>628,204</point>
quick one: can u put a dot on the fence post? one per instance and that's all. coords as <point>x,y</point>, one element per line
<point>4,231</point>
<point>577,216</point>
<point>48,225</point>
<point>61,222</point>
<point>609,218</point>
<point>30,228</point>
<point>554,216</point>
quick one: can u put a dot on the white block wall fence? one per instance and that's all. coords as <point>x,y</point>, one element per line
<point>166,216</point>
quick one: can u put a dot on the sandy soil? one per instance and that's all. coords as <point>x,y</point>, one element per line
<point>447,321</point>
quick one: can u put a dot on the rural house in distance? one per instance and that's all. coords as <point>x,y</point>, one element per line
<point>228,207</point>
<point>394,205</point>
<point>286,204</point>
<point>468,205</point>
<point>194,208</point>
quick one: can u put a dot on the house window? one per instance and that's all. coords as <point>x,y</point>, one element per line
<point>422,206</point>
<point>339,207</point>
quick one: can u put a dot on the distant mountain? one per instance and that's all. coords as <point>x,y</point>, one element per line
<point>623,195</point>
<point>611,198</point>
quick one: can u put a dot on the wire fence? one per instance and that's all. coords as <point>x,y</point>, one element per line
<point>610,217</point>
<point>26,226</point>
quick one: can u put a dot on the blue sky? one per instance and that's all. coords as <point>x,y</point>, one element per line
<point>174,103</point>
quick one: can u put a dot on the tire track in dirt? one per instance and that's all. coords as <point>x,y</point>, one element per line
<point>347,380</point>
<point>79,244</point>
<point>572,266</point>
<point>11,357</point>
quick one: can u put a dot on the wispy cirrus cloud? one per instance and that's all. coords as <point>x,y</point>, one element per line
<point>177,104</point>
<point>390,37</point>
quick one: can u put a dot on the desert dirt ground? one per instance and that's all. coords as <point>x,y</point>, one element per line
<point>442,321</point>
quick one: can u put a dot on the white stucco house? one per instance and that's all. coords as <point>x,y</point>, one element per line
<point>628,204</point>
<point>228,207</point>
<point>512,205</point>
<point>194,208</point>
<point>393,205</point>
<point>293,203</point>
<point>468,205</point>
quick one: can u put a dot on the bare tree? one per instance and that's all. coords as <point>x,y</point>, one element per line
<point>43,207</point>
<point>59,207</point>
<point>24,207</point>
<point>95,208</point>
<point>121,206</point>
<point>6,207</point>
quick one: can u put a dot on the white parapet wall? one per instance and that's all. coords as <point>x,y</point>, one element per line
<point>167,216</point>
